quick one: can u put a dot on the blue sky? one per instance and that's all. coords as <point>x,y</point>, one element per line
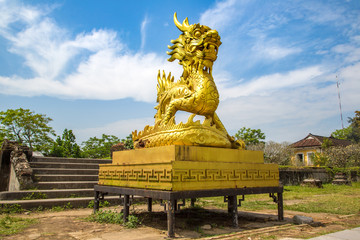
<point>92,65</point>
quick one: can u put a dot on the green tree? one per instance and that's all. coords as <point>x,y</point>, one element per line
<point>99,147</point>
<point>279,153</point>
<point>320,159</point>
<point>129,143</point>
<point>342,133</point>
<point>2,136</point>
<point>66,146</point>
<point>355,128</point>
<point>326,143</point>
<point>250,136</point>
<point>26,127</point>
<point>352,132</point>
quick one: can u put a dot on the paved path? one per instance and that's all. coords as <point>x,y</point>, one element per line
<point>352,234</point>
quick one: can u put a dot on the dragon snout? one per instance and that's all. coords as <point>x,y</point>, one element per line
<point>213,34</point>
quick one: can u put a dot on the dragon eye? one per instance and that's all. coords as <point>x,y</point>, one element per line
<point>197,34</point>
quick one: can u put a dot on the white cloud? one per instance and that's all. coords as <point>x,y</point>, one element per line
<point>220,15</point>
<point>350,87</point>
<point>324,13</point>
<point>294,103</point>
<point>104,76</point>
<point>144,24</point>
<point>109,76</point>
<point>105,69</point>
<point>273,52</point>
<point>118,128</point>
<point>292,112</point>
<point>268,84</point>
<point>350,50</point>
<point>13,11</point>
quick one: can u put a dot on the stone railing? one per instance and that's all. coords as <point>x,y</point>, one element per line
<point>16,173</point>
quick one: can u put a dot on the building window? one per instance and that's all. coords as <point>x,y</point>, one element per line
<point>310,157</point>
<point>300,157</point>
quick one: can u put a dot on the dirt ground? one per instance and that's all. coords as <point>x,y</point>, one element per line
<point>206,223</point>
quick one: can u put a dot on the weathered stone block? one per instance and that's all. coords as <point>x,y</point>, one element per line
<point>312,183</point>
<point>298,219</point>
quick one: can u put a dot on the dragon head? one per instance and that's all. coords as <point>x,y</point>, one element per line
<point>196,47</point>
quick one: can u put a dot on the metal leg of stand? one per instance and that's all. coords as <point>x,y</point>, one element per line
<point>193,200</point>
<point>126,207</point>
<point>280,206</point>
<point>229,203</point>
<point>171,218</point>
<point>233,211</point>
<point>96,201</point>
<point>149,202</point>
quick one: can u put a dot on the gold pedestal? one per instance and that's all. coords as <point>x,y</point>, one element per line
<point>181,168</point>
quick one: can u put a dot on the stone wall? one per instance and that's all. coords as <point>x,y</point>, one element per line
<point>295,176</point>
<point>354,176</point>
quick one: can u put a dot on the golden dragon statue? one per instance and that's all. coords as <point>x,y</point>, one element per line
<point>195,92</point>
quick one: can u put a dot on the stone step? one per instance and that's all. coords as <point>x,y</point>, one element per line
<point>64,165</point>
<point>49,203</point>
<point>64,177</point>
<point>65,171</point>
<point>70,160</point>
<point>65,185</point>
<point>56,193</point>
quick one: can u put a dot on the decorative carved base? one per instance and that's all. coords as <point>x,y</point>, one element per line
<point>190,133</point>
<point>179,168</point>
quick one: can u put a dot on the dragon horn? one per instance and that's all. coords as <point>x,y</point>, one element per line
<point>182,27</point>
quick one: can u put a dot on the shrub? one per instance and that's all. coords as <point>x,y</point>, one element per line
<point>114,218</point>
<point>101,204</point>
<point>342,157</point>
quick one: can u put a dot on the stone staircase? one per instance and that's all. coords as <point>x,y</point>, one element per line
<point>58,182</point>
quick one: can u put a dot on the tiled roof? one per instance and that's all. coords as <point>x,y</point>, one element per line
<point>340,142</point>
<point>316,141</point>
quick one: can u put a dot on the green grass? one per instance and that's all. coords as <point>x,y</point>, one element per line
<point>61,208</point>
<point>304,192</point>
<point>114,217</point>
<point>35,195</point>
<point>107,217</point>
<point>333,199</point>
<point>330,199</point>
<point>101,204</point>
<point>11,225</point>
<point>74,196</point>
<point>11,208</point>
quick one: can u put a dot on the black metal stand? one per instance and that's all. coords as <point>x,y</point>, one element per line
<point>193,200</point>
<point>233,210</point>
<point>149,204</point>
<point>171,217</point>
<point>172,197</point>
<point>126,207</point>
